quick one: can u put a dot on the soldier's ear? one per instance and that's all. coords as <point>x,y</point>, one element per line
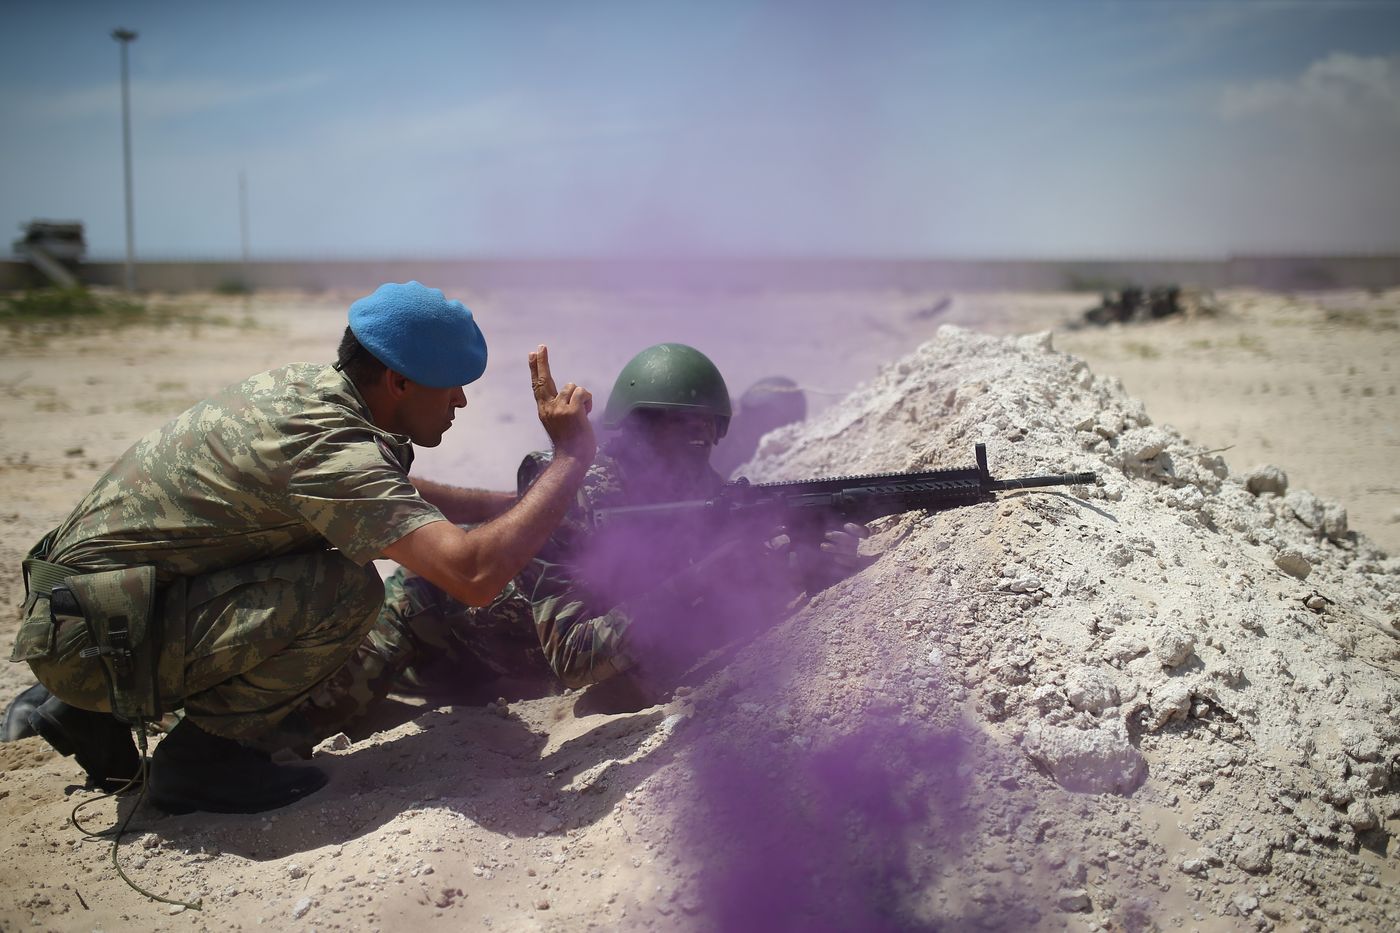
<point>396,384</point>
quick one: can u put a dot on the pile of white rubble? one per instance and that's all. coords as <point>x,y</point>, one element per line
<point>1177,693</point>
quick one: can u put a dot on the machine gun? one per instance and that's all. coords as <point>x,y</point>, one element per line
<point>814,504</point>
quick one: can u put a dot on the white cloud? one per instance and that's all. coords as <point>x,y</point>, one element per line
<point>155,100</point>
<point>507,122</point>
<point>1349,89</point>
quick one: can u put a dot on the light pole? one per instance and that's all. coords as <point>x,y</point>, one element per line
<point>243,217</point>
<point>125,37</point>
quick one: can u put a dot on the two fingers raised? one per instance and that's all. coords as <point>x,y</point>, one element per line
<point>542,382</point>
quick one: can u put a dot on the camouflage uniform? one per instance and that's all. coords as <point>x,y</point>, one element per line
<point>545,622</point>
<point>237,504</point>
<point>422,641</point>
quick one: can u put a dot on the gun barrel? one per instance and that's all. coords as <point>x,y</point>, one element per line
<point>1032,482</point>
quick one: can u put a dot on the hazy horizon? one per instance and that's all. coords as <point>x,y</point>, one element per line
<point>772,130</point>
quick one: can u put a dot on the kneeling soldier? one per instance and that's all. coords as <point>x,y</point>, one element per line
<point>223,565</point>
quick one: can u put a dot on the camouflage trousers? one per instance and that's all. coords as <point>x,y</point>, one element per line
<point>424,641</point>
<point>257,639</point>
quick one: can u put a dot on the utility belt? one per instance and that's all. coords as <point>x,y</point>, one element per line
<point>118,609</point>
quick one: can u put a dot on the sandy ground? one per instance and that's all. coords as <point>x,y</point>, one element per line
<point>1307,383</point>
<point>1310,384</point>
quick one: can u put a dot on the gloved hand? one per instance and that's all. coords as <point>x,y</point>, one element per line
<point>817,565</point>
<point>840,549</point>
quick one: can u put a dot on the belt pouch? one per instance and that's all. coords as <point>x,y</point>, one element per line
<point>124,629</point>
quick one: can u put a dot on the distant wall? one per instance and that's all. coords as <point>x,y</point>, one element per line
<point>1284,273</point>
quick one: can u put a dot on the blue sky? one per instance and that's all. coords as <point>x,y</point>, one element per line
<point>1070,128</point>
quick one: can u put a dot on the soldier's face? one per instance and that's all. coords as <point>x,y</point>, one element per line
<point>678,440</point>
<point>428,413</point>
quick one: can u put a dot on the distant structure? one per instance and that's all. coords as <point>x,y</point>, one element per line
<point>54,247</point>
<point>1135,304</point>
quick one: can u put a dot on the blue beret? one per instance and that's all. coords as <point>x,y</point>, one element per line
<point>416,331</point>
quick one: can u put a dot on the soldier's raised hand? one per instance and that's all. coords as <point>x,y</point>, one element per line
<point>563,412</point>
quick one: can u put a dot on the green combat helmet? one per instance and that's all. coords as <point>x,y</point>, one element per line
<point>669,376</point>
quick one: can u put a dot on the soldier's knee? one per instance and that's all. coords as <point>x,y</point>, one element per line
<point>361,597</point>
<point>577,671</point>
<point>348,597</point>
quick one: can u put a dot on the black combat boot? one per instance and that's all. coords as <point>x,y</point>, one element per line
<point>194,770</point>
<point>101,742</point>
<point>17,725</point>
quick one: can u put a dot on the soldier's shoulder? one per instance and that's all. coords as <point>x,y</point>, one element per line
<point>293,389</point>
<point>291,375</point>
<point>602,484</point>
<point>531,466</point>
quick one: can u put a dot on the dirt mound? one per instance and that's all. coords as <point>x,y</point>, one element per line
<point>1209,660</point>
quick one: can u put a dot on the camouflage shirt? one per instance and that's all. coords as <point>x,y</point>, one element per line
<point>285,461</point>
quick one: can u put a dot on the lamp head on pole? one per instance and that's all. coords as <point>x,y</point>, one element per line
<point>123,35</point>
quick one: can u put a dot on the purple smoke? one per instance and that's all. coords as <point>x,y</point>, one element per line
<point>826,839</point>
<point>787,829</point>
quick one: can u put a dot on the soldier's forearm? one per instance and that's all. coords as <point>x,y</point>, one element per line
<point>474,564</point>
<point>503,545</point>
<point>464,506</point>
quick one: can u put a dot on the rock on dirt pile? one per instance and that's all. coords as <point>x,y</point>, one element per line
<point>1174,696</point>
